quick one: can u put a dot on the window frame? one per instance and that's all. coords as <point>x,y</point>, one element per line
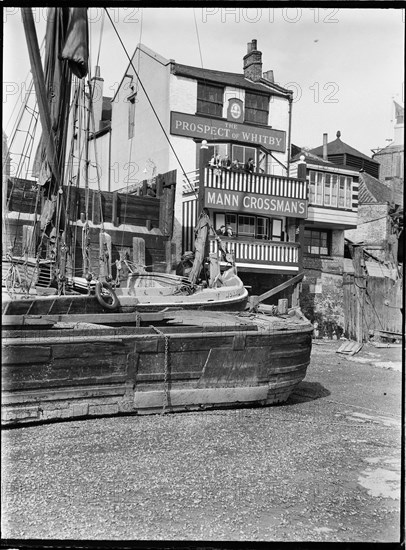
<point>212,104</point>
<point>316,238</point>
<point>339,195</point>
<point>251,110</point>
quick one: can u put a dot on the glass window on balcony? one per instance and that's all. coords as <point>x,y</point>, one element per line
<point>256,108</point>
<point>262,228</point>
<point>327,190</point>
<point>246,226</point>
<point>231,221</point>
<point>348,192</point>
<point>241,154</point>
<point>276,230</point>
<point>210,99</point>
<point>341,192</point>
<point>316,187</point>
<point>317,242</point>
<point>334,188</point>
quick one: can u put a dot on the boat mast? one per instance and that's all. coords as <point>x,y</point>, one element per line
<point>40,90</point>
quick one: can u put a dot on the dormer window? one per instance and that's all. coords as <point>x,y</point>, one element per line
<point>210,99</point>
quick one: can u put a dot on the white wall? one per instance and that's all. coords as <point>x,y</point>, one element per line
<point>135,159</point>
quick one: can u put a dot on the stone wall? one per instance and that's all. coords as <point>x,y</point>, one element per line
<point>321,298</point>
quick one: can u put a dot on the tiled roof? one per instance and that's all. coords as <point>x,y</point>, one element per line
<point>371,190</point>
<point>310,158</point>
<point>230,79</point>
<point>338,147</point>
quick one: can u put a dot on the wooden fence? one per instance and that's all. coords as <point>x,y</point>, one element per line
<point>372,305</point>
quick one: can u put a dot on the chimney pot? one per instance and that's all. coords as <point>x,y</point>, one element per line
<point>268,75</point>
<point>325,139</point>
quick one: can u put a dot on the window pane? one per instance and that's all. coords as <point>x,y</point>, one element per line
<point>348,193</point>
<point>341,194</point>
<point>327,190</point>
<point>334,190</point>
<point>246,225</point>
<point>231,220</point>
<point>262,228</point>
<point>276,230</point>
<point>319,188</point>
<point>256,108</point>
<point>209,99</point>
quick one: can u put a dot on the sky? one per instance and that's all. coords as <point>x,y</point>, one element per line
<point>345,66</point>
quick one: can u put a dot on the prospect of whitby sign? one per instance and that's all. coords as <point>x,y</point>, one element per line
<point>237,201</point>
<point>199,127</point>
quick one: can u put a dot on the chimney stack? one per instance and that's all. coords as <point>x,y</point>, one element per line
<point>97,89</point>
<point>325,139</point>
<point>268,75</point>
<point>252,62</point>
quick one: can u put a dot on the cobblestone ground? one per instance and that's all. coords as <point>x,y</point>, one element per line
<point>323,467</point>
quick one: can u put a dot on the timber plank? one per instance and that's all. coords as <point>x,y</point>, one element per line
<point>27,354</point>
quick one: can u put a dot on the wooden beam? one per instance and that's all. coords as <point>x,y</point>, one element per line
<point>255,300</point>
<point>94,318</point>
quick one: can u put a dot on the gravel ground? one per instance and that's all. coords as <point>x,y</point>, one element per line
<point>323,467</point>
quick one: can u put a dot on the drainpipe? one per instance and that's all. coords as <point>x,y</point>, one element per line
<point>289,133</point>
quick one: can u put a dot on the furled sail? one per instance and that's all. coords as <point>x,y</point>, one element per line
<point>76,45</point>
<point>66,51</point>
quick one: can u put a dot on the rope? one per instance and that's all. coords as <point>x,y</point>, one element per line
<point>166,368</point>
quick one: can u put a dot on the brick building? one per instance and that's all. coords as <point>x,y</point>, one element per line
<point>333,209</point>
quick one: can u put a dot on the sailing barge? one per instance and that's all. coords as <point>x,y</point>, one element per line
<point>173,361</point>
<point>149,346</point>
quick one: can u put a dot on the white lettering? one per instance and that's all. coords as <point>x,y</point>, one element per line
<point>211,198</point>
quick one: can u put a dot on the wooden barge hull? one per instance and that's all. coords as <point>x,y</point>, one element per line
<point>57,374</point>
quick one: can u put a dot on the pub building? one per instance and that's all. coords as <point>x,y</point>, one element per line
<point>242,117</point>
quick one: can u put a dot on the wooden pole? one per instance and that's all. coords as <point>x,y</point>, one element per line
<point>40,90</point>
<point>255,300</point>
<point>360,287</point>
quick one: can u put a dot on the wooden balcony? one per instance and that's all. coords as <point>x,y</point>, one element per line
<point>261,256</point>
<point>257,183</point>
<point>241,181</point>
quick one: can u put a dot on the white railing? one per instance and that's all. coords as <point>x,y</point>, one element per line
<point>260,252</point>
<point>261,184</point>
<point>190,183</point>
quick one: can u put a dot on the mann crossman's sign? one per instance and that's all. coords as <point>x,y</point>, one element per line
<point>238,201</point>
<point>199,127</point>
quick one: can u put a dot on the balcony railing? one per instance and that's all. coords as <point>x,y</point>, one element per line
<point>262,184</point>
<point>264,254</point>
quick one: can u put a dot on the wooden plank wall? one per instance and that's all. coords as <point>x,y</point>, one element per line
<point>143,212</point>
<point>380,309</point>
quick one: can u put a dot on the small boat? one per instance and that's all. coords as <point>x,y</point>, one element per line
<point>172,361</point>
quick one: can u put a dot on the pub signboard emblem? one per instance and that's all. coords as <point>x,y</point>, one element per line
<point>235,111</point>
